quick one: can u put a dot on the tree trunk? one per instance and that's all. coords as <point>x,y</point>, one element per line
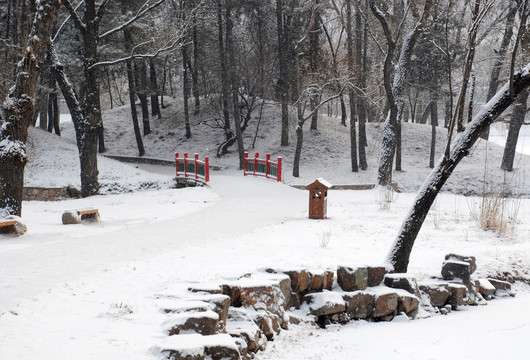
<point>519,112</point>
<point>343,111</point>
<point>351,70</point>
<point>235,86</point>
<point>361,58</point>
<point>195,72</point>
<point>43,113</point>
<point>134,113</point>
<point>434,124</point>
<point>155,104</point>
<point>314,50</point>
<point>500,57</point>
<point>398,146</point>
<point>186,90</point>
<point>141,89</point>
<point>282,79</point>
<point>298,150</point>
<point>18,110</point>
<point>399,254</point>
<point>225,77</point>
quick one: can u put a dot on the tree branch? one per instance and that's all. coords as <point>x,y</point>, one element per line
<point>144,9</point>
<point>73,14</point>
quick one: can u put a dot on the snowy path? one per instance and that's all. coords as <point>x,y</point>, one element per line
<point>68,253</point>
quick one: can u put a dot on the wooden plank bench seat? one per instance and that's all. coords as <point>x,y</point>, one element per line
<point>7,226</point>
<point>12,226</point>
<point>76,216</point>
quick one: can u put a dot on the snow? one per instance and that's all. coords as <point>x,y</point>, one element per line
<point>95,290</point>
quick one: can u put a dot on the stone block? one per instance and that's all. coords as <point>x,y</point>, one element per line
<point>485,288</point>
<point>459,295</point>
<point>234,292</point>
<point>375,275</point>
<point>268,323</point>
<point>359,305</point>
<point>385,304</point>
<point>402,281</point>
<point>204,323</point>
<point>299,280</point>
<point>320,281</point>
<point>408,304</point>
<point>500,285</point>
<point>437,293</point>
<point>455,269</point>
<point>267,297</point>
<point>325,303</point>
<point>350,279</point>
<point>241,325</point>
<point>471,260</point>
<point>220,352</point>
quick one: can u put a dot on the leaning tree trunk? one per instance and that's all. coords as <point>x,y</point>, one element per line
<point>434,124</point>
<point>519,112</point>
<point>17,109</point>
<point>399,254</point>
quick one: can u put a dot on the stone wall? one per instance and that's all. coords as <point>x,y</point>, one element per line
<point>50,194</point>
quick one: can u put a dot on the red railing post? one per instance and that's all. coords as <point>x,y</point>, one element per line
<point>267,166</point>
<point>279,168</point>
<point>177,163</point>
<point>256,163</point>
<point>245,165</point>
<point>206,169</point>
<point>196,166</point>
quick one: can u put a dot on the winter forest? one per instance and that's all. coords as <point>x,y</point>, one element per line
<point>393,93</point>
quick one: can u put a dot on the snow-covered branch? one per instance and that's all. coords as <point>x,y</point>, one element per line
<point>74,15</point>
<point>144,9</point>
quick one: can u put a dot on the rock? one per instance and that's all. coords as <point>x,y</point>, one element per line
<point>205,288</point>
<point>402,281</point>
<point>294,300</point>
<point>204,323</point>
<point>71,217</point>
<point>485,288</point>
<point>267,297</point>
<point>325,303</point>
<point>221,352</point>
<point>350,279</point>
<point>299,280</point>
<point>459,295</point>
<point>197,347</point>
<point>218,304</point>
<point>500,285</point>
<point>471,260</point>
<point>385,304</point>
<point>293,319</point>
<point>320,281</point>
<point>408,304</point>
<point>375,275</point>
<point>241,347</point>
<point>452,269</point>
<point>359,305</point>
<point>268,323</point>
<point>241,325</point>
<point>438,293</point>
<point>234,292</point>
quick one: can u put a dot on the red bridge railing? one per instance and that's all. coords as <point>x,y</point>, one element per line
<point>263,167</point>
<point>192,167</point>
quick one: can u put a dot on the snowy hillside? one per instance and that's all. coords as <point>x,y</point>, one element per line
<point>325,152</point>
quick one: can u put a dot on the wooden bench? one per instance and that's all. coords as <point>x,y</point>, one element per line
<point>76,216</point>
<point>7,226</point>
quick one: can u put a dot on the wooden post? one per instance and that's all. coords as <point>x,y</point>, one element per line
<point>206,169</point>
<point>196,166</point>
<point>186,164</point>
<point>245,166</point>
<point>256,163</point>
<point>268,166</point>
<point>177,164</point>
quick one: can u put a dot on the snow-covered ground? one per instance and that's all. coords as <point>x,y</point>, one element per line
<point>90,291</point>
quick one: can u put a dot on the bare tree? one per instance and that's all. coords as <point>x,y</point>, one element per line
<point>399,254</point>
<point>17,110</point>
